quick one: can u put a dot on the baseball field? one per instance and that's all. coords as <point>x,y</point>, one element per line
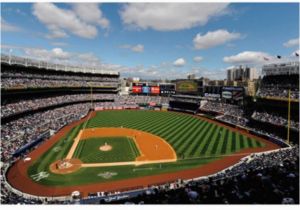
<point>124,149</point>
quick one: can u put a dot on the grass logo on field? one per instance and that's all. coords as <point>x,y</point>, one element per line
<point>57,149</point>
<point>107,174</point>
<point>39,176</point>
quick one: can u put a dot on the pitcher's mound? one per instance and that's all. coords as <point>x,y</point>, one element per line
<point>105,147</point>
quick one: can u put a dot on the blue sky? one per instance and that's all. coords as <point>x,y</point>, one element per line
<point>153,40</point>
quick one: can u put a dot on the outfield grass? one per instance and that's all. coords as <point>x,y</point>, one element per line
<point>195,141</point>
<point>123,149</point>
<point>190,137</point>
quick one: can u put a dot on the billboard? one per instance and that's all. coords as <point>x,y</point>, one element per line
<point>235,93</point>
<point>186,86</point>
<point>155,90</point>
<point>167,89</point>
<point>136,89</point>
<point>146,89</point>
<point>227,94</point>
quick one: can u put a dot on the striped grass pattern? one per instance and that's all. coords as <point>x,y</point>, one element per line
<point>190,137</point>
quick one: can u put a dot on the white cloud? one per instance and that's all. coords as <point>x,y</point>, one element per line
<point>90,13</point>
<point>5,26</point>
<point>214,74</point>
<point>249,57</point>
<point>59,44</point>
<point>170,16</point>
<point>214,38</point>
<point>179,62</point>
<point>79,21</point>
<point>139,48</point>
<point>56,33</point>
<point>198,59</point>
<point>44,54</point>
<point>89,58</point>
<point>292,43</point>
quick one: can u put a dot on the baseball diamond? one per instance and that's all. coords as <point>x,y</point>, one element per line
<point>191,146</point>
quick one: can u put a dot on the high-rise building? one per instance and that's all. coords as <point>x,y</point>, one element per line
<point>191,76</point>
<point>241,73</point>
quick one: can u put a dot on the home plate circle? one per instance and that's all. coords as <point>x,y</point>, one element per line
<point>106,147</point>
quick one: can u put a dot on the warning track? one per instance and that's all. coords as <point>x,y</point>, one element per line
<point>18,177</point>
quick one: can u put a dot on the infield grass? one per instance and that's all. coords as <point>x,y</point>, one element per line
<point>123,149</point>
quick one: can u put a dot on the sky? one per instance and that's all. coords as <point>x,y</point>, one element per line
<point>153,40</point>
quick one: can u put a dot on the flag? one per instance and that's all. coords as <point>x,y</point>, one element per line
<point>266,59</point>
<point>278,56</point>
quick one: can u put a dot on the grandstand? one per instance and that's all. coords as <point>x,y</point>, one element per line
<point>278,80</point>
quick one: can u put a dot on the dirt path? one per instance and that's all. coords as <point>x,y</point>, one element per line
<point>18,178</point>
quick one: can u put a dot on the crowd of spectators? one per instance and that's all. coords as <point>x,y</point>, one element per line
<point>222,108</point>
<point>266,133</point>
<point>24,79</point>
<point>277,92</point>
<point>24,130</point>
<point>274,119</point>
<point>228,113</point>
<point>46,83</point>
<point>270,178</point>
<point>17,133</point>
<point>118,101</point>
<point>33,104</point>
<point>277,86</point>
<point>55,76</point>
<point>241,121</point>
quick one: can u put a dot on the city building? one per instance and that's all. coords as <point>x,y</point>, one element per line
<point>241,73</point>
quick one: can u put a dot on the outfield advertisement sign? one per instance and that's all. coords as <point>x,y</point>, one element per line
<point>227,94</point>
<point>136,89</point>
<point>155,90</point>
<point>146,89</point>
<point>186,86</point>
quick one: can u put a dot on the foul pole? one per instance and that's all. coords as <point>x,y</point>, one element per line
<point>91,97</point>
<point>289,117</point>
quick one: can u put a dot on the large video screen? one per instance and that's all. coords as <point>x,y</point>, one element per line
<point>167,89</point>
<point>155,90</point>
<point>136,89</point>
<point>235,93</point>
<point>146,89</point>
<point>186,86</point>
